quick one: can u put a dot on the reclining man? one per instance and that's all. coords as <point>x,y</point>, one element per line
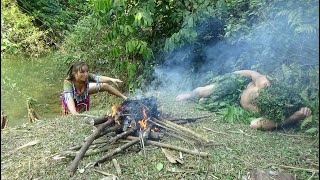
<point>250,86</point>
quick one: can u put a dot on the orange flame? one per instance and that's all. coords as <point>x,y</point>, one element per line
<point>143,122</point>
<point>114,110</point>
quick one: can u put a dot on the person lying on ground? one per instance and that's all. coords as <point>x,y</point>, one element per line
<point>276,104</point>
<point>80,84</point>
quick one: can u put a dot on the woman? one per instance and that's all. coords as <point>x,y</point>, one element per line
<point>78,86</point>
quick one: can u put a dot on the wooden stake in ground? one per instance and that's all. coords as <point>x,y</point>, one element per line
<point>74,165</point>
<point>4,120</point>
<point>32,115</point>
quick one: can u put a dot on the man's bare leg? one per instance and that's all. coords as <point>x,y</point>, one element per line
<point>200,92</point>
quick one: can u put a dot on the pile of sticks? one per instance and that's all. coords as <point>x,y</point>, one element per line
<point>108,133</point>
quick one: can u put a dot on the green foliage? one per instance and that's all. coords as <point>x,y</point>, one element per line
<point>113,40</point>
<point>188,14</point>
<point>306,81</point>
<point>300,20</point>
<point>18,34</point>
<point>235,114</point>
<point>56,17</point>
<point>227,89</point>
<point>278,101</point>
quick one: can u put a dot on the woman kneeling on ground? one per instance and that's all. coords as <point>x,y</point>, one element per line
<point>78,86</point>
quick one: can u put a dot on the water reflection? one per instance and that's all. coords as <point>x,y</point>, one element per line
<point>23,79</point>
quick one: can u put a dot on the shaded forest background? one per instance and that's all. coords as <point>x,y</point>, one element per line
<point>173,45</point>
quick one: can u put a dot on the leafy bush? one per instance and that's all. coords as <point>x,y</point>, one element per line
<point>19,35</point>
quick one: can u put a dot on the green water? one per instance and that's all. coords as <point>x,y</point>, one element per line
<point>23,78</point>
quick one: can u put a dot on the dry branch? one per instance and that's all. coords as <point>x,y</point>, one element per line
<point>124,134</point>
<point>90,152</point>
<point>111,129</point>
<point>121,148</point>
<point>192,119</point>
<point>84,148</point>
<point>77,147</point>
<point>177,136</point>
<point>181,130</point>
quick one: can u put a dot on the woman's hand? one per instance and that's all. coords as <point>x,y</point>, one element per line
<point>115,81</point>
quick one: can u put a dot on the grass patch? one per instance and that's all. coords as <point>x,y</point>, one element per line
<point>243,150</point>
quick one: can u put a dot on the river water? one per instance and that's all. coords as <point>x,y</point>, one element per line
<point>35,79</point>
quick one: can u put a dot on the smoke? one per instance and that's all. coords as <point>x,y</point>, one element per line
<point>272,42</point>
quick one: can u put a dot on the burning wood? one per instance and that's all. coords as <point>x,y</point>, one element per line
<point>134,117</point>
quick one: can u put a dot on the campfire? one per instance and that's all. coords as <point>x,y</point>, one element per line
<point>136,114</point>
<point>139,121</point>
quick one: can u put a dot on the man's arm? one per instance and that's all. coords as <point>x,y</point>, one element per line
<point>258,79</point>
<point>249,74</point>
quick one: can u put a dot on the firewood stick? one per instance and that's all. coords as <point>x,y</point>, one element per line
<point>77,147</point>
<point>169,146</point>
<point>121,148</point>
<point>109,130</point>
<point>191,119</point>
<point>176,136</point>
<point>176,130</point>
<point>116,151</point>
<point>181,130</point>
<point>169,123</point>
<point>90,152</point>
<point>73,166</point>
<point>126,133</point>
<point>181,121</point>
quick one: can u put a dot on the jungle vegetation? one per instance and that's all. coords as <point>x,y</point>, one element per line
<point>128,39</point>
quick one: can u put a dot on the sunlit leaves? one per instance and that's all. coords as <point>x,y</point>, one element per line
<point>143,18</point>
<point>180,38</point>
<point>140,47</point>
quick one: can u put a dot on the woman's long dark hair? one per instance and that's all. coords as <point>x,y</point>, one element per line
<point>74,68</point>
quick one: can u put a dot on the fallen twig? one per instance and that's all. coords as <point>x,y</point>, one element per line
<point>117,166</point>
<point>294,135</point>
<point>177,136</point>
<point>218,132</point>
<point>297,168</point>
<point>106,174</point>
<point>192,119</point>
<point>312,176</point>
<point>241,132</point>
